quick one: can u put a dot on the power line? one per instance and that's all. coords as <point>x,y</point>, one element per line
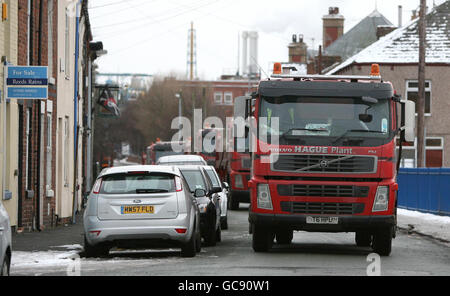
<point>110,4</point>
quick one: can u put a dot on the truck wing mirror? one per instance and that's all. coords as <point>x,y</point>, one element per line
<point>410,121</point>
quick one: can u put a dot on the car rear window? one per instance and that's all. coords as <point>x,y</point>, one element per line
<point>182,163</point>
<point>194,179</point>
<point>137,183</point>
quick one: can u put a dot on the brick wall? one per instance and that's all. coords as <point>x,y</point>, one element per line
<point>29,207</point>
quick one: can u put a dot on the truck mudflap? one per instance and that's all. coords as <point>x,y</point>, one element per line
<point>343,223</point>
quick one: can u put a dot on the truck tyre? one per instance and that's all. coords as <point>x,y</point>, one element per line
<point>284,237</point>
<point>363,239</point>
<point>189,249</point>
<point>262,238</point>
<point>95,251</point>
<point>382,242</point>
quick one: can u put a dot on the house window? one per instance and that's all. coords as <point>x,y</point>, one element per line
<point>434,153</point>
<point>218,98</point>
<point>228,98</point>
<point>412,93</point>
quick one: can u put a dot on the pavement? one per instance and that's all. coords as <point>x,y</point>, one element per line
<point>71,235</point>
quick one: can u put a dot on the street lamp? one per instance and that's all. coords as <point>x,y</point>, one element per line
<point>178,96</point>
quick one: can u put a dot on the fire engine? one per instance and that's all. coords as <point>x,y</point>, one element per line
<point>325,158</point>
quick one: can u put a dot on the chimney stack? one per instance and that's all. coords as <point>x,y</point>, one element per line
<point>298,50</point>
<point>333,26</point>
<point>400,16</point>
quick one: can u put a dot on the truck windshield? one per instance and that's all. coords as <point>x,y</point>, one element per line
<point>325,121</point>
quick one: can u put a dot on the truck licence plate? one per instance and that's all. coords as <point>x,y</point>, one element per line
<point>322,220</point>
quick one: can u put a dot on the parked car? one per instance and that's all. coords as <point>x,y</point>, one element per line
<point>208,201</point>
<point>5,242</point>
<point>141,206</point>
<point>223,195</point>
<point>185,159</point>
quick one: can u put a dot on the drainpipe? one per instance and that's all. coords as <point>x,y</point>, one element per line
<point>75,124</point>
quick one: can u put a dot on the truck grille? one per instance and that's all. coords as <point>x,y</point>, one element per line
<point>323,190</point>
<point>324,164</point>
<point>318,208</point>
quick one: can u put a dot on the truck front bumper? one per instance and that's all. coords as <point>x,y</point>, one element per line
<point>345,223</point>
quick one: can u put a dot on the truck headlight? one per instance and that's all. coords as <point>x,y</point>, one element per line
<point>263,197</point>
<point>381,202</point>
<point>238,182</point>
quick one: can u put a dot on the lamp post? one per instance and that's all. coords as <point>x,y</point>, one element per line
<point>178,96</point>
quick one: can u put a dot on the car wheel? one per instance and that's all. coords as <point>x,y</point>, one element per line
<point>219,234</point>
<point>198,243</point>
<point>284,237</point>
<point>233,204</point>
<point>262,238</point>
<point>95,251</point>
<point>5,266</point>
<point>190,249</point>
<point>363,239</point>
<point>211,237</point>
<point>382,242</point>
<point>224,223</point>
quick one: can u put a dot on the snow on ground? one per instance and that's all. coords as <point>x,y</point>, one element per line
<point>426,224</point>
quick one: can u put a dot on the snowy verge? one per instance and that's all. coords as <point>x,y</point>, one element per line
<point>431,225</point>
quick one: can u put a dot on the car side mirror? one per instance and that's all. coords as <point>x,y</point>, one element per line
<point>216,190</point>
<point>226,185</point>
<point>199,193</point>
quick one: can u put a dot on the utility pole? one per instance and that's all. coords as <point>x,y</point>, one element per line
<point>421,141</point>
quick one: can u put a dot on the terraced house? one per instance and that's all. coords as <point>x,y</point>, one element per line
<point>398,56</point>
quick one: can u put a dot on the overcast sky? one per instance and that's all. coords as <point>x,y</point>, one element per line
<point>151,36</point>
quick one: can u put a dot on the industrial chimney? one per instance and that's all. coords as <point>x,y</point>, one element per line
<point>250,53</point>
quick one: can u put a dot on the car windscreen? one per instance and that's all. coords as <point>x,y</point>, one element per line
<point>195,179</point>
<point>213,177</point>
<point>137,183</point>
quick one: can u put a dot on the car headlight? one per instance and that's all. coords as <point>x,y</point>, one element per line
<point>263,197</point>
<point>381,202</point>
<point>238,181</point>
<point>203,208</point>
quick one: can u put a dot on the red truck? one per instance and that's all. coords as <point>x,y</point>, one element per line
<point>331,163</point>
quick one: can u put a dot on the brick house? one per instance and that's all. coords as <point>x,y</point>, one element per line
<point>397,53</point>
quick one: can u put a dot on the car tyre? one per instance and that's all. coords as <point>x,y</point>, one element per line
<point>95,251</point>
<point>363,239</point>
<point>211,236</point>
<point>219,234</point>
<point>382,242</point>
<point>189,249</point>
<point>224,223</point>
<point>284,237</point>
<point>233,204</point>
<point>5,266</point>
<point>198,243</point>
<point>262,238</point>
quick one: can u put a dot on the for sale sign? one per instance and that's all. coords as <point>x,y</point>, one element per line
<point>26,82</point>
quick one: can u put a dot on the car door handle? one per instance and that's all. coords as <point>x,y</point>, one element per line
<point>1,229</point>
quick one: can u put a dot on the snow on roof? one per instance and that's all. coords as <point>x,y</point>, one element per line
<point>402,45</point>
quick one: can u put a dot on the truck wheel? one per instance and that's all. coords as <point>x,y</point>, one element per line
<point>284,237</point>
<point>189,249</point>
<point>363,239</point>
<point>262,238</point>
<point>95,251</point>
<point>382,242</point>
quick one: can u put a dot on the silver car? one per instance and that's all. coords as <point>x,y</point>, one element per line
<point>5,242</point>
<point>141,206</point>
<point>215,180</point>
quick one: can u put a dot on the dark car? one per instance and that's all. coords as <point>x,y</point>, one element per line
<point>208,201</point>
